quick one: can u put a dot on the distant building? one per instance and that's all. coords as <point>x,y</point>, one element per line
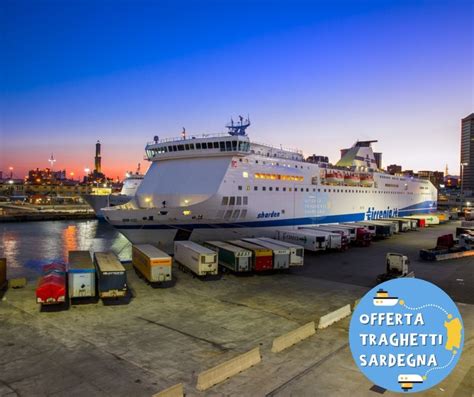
<point>467,152</point>
<point>435,177</point>
<point>45,176</point>
<point>394,169</point>
<point>318,159</point>
<point>409,173</point>
<point>451,181</point>
<point>96,176</point>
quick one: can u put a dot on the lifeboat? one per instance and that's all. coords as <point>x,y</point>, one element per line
<point>366,180</point>
<point>351,179</point>
<point>52,285</point>
<point>382,298</point>
<point>335,177</point>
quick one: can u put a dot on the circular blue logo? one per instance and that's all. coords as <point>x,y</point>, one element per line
<point>406,335</point>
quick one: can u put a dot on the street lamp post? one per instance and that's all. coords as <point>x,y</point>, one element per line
<point>462,181</point>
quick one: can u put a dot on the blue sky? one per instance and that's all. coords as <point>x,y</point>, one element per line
<point>311,74</point>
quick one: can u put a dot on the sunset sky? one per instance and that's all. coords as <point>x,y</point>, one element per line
<point>311,74</point>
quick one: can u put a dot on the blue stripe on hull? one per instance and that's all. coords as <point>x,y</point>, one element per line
<point>425,207</point>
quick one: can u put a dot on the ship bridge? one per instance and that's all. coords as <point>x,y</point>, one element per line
<point>207,145</point>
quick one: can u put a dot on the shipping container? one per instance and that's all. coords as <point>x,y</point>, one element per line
<point>230,256</point>
<point>381,230</point>
<point>368,228</point>
<point>152,263</point>
<point>345,234</point>
<point>359,235</point>
<point>81,275</point>
<point>3,273</point>
<point>200,260</point>
<point>262,258</point>
<point>296,251</point>
<point>334,240</point>
<point>51,288</point>
<point>393,225</point>
<point>309,242</point>
<point>404,224</point>
<point>412,222</point>
<point>428,218</point>
<point>111,275</point>
<point>281,255</point>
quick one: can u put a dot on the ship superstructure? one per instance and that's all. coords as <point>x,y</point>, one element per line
<point>225,186</point>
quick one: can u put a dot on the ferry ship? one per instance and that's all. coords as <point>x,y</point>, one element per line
<point>102,197</point>
<point>382,298</point>
<point>225,186</point>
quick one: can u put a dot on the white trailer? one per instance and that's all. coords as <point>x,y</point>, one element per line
<point>369,228</point>
<point>393,224</point>
<point>200,260</point>
<point>81,275</point>
<point>281,255</point>
<point>309,242</point>
<point>296,251</point>
<point>334,240</point>
<point>349,231</point>
<point>429,219</point>
<point>411,224</point>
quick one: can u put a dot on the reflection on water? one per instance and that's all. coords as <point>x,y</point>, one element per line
<point>27,246</point>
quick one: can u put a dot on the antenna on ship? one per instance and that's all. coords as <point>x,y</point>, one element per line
<point>239,127</point>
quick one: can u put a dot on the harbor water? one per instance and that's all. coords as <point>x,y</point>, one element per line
<point>29,245</point>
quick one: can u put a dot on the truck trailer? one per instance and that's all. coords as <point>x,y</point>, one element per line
<point>296,251</point>
<point>81,275</point>
<point>231,257</point>
<point>196,258</point>
<point>111,275</point>
<point>281,255</point>
<point>262,258</point>
<point>153,264</point>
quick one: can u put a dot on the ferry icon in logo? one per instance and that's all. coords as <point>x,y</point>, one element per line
<point>407,380</point>
<point>382,298</point>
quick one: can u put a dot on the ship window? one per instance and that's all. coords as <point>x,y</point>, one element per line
<point>191,146</point>
<point>228,213</point>
<point>284,189</point>
<point>289,189</point>
<point>248,187</point>
<point>239,200</point>
<point>216,145</point>
<point>234,145</point>
<point>222,146</point>
<point>232,200</point>
<point>240,188</point>
<point>150,218</point>
<point>125,220</point>
<point>144,218</point>
<point>302,189</point>
<point>228,146</point>
<point>204,145</point>
<point>198,146</point>
<point>186,146</point>
<point>277,189</point>
<point>236,214</point>
<point>170,148</point>
<point>255,188</point>
<point>324,190</point>
<point>307,189</point>
<point>270,188</point>
<point>246,200</point>
<point>175,149</point>
<point>180,147</point>
<point>264,188</point>
<point>243,214</point>
<point>225,200</point>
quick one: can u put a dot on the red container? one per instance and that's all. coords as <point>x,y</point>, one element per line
<point>421,223</point>
<point>363,237</point>
<point>263,262</point>
<point>58,268</point>
<point>51,287</point>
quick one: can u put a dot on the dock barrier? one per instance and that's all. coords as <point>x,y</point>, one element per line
<point>173,391</point>
<point>228,368</point>
<point>336,315</point>
<point>291,338</point>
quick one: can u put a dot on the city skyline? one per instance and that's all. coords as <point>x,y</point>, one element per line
<point>312,75</point>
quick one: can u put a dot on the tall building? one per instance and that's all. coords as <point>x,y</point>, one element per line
<point>98,159</point>
<point>467,152</point>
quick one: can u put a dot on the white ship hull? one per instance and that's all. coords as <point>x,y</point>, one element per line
<point>217,195</point>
